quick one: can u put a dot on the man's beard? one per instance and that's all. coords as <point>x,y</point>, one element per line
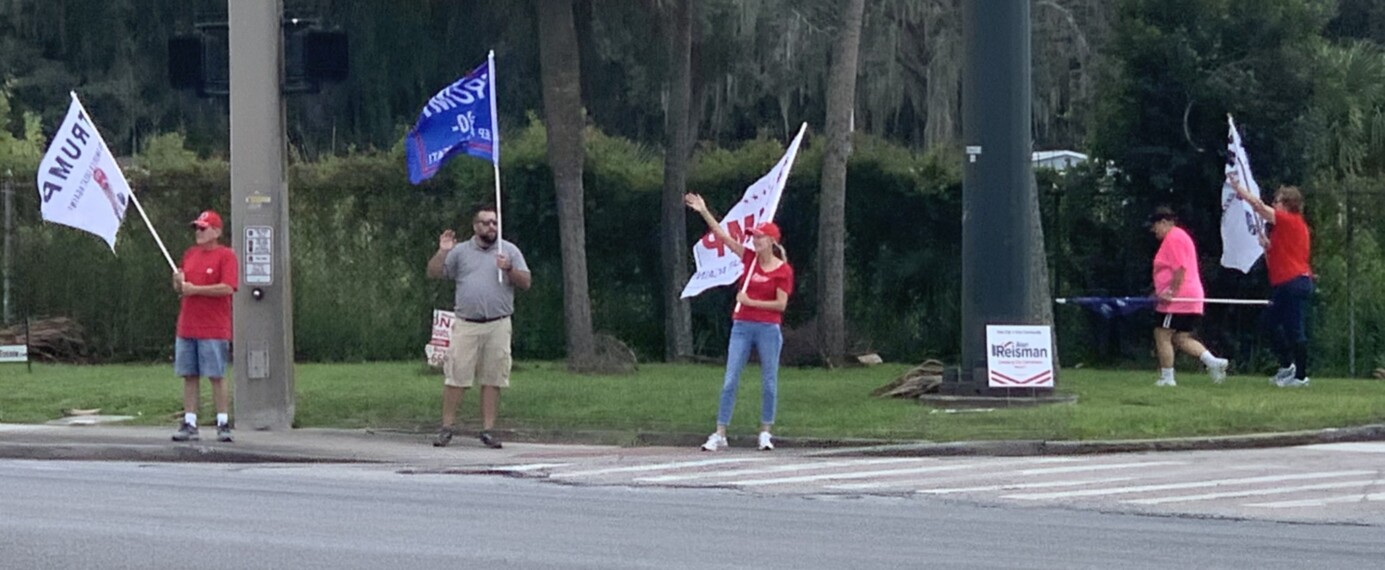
<point>488,239</point>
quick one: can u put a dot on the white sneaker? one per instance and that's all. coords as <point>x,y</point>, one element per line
<point>1218,370</point>
<point>714,442</point>
<point>766,441</point>
<point>1166,382</point>
<point>1292,382</point>
<point>1284,374</point>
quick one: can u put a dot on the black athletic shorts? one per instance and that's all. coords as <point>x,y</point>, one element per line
<point>1181,322</point>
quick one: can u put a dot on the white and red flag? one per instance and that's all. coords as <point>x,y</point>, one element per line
<point>79,183</point>
<point>716,264</point>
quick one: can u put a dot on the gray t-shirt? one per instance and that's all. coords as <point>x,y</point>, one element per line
<point>480,294</point>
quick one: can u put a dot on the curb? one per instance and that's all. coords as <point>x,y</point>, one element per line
<point>159,453</point>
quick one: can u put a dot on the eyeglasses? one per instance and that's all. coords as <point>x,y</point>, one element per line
<point>487,222</point>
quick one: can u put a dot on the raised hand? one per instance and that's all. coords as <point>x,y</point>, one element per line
<point>695,202</point>
<point>447,240</point>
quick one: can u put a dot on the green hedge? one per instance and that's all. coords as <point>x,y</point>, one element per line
<point>361,236</point>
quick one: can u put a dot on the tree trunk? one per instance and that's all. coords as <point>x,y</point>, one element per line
<point>563,120</point>
<point>679,136</point>
<point>841,99</point>
<point>1041,289</point>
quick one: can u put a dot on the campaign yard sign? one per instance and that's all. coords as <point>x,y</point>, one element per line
<point>1019,356</point>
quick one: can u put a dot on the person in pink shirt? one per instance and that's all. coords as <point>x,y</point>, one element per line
<point>1176,277</point>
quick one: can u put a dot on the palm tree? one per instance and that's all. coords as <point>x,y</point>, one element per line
<point>564,119</point>
<point>841,99</point>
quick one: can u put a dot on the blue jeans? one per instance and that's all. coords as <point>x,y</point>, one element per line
<point>1285,320</point>
<point>767,340</point>
<point>200,357</point>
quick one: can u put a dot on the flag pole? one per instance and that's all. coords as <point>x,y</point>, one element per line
<point>153,231</point>
<point>495,164</point>
<point>749,272</point>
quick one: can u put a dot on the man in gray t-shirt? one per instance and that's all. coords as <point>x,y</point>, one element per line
<point>486,271</point>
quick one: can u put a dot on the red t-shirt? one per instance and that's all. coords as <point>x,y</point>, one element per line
<point>763,287</point>
<point>208,317</point>
<point>1287,257</point>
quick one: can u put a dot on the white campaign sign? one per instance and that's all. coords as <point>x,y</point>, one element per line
<point>79,183</point>
<point>436,349</point>
<point>1019,356</point>
<point>14,353</point>
<point>716,264</point>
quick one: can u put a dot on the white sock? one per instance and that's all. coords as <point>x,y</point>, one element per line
<point>1166,374</point>
<point>190,418</point>
<point>223,419</point>
<point>1208,358</point>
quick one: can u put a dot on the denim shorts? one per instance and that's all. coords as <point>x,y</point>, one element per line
<point>201,357</point>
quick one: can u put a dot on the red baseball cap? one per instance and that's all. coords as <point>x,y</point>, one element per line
<point>207,219</point>
<point>766,229</point>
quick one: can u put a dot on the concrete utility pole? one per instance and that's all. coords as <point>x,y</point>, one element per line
<point>998,178</point>
<point>264,387</point>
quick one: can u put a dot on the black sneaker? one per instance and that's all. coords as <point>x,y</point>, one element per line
<point>223,433</point>
<point>489,440</point>
<point>186,432</point>
<point>444,437</point>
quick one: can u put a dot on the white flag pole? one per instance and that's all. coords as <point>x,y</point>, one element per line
<point>749,272</point>
<point>152,231</point>
<point>1220,301</point>
<point>495,164</point>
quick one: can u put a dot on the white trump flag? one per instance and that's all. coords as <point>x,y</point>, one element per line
<point>79,183</point>
<point>717,264</point>
<point>1241,227</point>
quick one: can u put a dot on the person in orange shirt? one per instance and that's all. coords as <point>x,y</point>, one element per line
<point>1287,252</point>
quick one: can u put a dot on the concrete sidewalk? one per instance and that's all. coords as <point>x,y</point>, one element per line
<point>144,443</point>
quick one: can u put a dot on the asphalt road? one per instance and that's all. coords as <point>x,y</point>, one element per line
<point>122,515</point>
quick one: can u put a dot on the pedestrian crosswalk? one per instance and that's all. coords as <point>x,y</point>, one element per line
<point>1306,481</point>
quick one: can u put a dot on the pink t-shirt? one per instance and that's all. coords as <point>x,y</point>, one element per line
<point>1177,251</point>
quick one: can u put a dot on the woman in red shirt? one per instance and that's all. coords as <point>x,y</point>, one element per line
<point>1287,252</point>
<point>764,293</point>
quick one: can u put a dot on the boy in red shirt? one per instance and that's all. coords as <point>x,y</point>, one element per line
<point>206,281</point>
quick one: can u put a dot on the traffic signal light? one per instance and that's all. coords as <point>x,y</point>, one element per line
<point>312,56</point>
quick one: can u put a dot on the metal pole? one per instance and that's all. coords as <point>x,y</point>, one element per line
<point>264,382</point>
<point>1351,290</point>
<point>28,358</point>
<point>8,190</point>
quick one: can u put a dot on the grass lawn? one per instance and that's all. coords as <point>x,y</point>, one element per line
<point>682,398</point>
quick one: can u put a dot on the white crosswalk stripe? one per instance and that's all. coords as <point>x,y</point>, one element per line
<point>1188,485</point>
<point>1321,502</point>
<point>1251,493</point>
<point>1356,446</point>
<point>884,473</point>
<point>529,467</point>
<point>778,469</point>
<point>655,467</point>
<point>1022,486</point>
<point>1107,467</point>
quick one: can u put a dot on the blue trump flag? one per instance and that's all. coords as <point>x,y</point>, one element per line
<point>460,119</point>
